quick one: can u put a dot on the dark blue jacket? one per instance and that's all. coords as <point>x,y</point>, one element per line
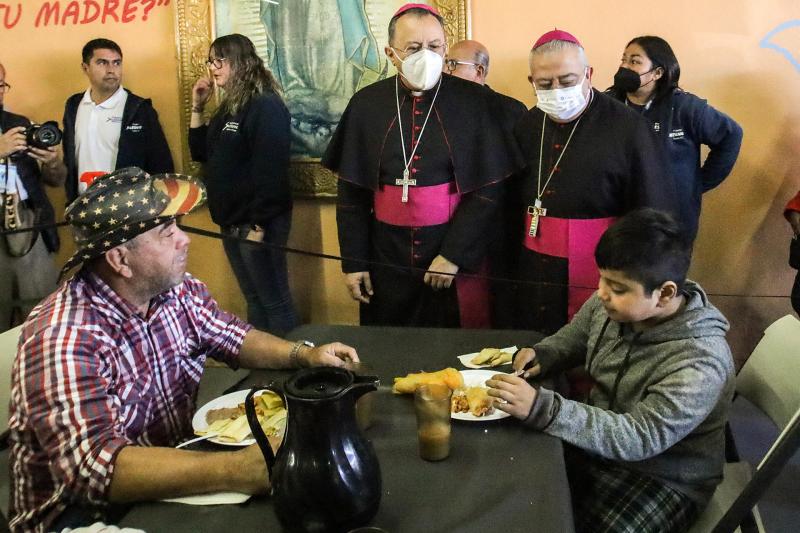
<point>684,122</point>
<point>29,173</point>
<point>141,140</point>
<point>245,160</point>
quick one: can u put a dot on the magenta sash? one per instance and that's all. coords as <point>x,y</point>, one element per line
<point>430,206</point>
<point>426,206</point>
<point>575,240</point>
<point>473,299</point>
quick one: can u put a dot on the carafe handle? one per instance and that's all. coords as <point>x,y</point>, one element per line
<point>255,427</point>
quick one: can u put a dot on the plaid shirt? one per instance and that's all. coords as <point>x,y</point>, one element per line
<point>92,376</point>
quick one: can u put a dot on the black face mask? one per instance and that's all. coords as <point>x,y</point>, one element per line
<point>626,80</point>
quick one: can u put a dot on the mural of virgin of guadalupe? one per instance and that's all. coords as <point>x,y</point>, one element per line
<point>322,51</point>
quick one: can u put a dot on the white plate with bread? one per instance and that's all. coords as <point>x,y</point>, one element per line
<point>488,357</point>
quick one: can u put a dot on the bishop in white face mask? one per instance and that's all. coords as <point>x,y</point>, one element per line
<point>589,160</point>
<point>422,69</point>
<point>561,79</point>
<point>421,157</point>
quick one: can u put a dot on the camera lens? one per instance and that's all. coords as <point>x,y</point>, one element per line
<point>45,135</point>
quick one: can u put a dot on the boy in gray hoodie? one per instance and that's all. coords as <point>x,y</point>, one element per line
<point>648,446</point>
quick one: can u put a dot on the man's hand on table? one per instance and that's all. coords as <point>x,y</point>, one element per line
<point>251,461</point>
<point>517,395</point>
<point>333,354</point>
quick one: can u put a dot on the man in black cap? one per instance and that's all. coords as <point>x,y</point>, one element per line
<point>106,375</point>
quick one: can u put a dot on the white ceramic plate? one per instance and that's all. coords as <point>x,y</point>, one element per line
<point>467,357</point>
<point>229,400</point>
<point>477,378</point>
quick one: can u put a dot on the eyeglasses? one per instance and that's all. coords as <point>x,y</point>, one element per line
<point>216,62</point>
<point>4,87</point>
<point>452,64</point>
<point>414,48</point>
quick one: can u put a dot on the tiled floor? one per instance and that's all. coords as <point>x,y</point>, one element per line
<point>754,433</point>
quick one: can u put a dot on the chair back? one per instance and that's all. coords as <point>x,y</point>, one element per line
<point>769,379</point>
<point>8,351</point>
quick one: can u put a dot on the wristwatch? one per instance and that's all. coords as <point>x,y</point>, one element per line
<point>295,351</point>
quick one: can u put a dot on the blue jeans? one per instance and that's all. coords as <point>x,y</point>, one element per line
<point>262,275</point>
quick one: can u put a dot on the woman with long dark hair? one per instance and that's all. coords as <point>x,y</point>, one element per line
<point>647,81</point>
<point>245,154</point>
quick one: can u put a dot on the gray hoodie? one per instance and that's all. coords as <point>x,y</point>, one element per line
<point>661,397</point>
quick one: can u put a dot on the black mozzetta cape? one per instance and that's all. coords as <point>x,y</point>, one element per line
<point>481,145</point>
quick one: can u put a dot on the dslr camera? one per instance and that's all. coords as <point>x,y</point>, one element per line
<point>43,135</point>
<point>40,136</point>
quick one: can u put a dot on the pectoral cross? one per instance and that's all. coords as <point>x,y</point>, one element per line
<point>405,182</point>
<point>535,211</point>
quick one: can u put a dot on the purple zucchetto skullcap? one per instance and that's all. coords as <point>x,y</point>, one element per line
<point>556,35</point>
<point>426,7</point>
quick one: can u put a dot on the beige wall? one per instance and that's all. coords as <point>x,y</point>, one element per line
<point>742,243</point>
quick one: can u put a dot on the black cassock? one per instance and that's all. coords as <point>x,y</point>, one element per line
<point>465,151</point>
<point>612,164</point>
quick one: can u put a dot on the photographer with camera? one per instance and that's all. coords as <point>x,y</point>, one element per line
<point>28,158</point>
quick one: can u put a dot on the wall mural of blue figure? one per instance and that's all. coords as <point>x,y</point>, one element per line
<point>787,30</point>
<point>321,51</point>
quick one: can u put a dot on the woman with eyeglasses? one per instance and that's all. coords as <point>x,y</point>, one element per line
<point>244,149</point>
<point>647,81</point>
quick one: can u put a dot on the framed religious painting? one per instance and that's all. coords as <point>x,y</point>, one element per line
<point>321,51</point>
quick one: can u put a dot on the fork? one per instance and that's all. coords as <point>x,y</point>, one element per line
<point>197,439</point>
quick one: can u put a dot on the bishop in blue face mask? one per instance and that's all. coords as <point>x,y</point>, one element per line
<point>589,160</point>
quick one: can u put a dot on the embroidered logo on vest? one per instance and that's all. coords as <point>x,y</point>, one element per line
<point>676,134</point>
<point>135,127</point>
<point>232,127</point>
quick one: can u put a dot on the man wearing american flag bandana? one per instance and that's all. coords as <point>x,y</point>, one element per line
<point>107,369</point>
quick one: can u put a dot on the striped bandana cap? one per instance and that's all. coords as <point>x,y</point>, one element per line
<point>128,202</point>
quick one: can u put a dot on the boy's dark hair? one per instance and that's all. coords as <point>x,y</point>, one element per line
<point>648,246</point>
<point>98,44</point>
<point>415,11</point>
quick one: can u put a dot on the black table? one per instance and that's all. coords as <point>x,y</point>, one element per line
<point>499,476</point>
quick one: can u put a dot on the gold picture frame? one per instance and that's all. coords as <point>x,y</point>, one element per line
<point>194,23</point>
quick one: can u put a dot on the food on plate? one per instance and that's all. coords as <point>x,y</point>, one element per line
<point>407,385</point>
<point>473,400</point>
<point>492,357</point>
<point>230,423</point>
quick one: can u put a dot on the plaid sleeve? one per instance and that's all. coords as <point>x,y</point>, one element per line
<point>65,394</point>
<point>221,333</point>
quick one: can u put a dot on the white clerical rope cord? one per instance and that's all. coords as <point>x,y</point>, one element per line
<point>405,181</point>
<point>536,210</point>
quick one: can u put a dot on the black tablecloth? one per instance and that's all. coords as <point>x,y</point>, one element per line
<point>499,477</point>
